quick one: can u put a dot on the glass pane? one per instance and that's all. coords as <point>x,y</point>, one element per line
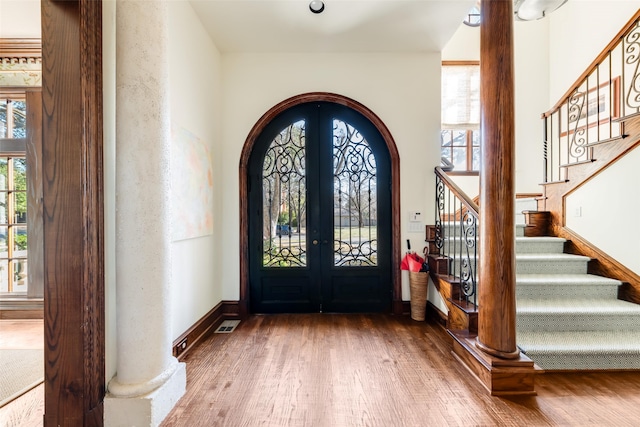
<point>3,242</point>
<point>4,182</point>
<point>19,119</point>
<point>284,199</point>
<point>355,207</point>
<point>3,207</point>
<point>3,118</point>
<point>476,158</point>
<point>460,158</point>
<point>460,138</point>
<point>20,214</point>
<point>475,138</point>
<point>20,174</point>
<point>4,275</point>
<point>19,240</point>
<point>445,138</point>
<point>20,185</point>
<point>446,153</point>
<point>20,278</point>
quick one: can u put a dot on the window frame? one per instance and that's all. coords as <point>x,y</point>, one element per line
<point>11,149</point>
<point>468,171</point>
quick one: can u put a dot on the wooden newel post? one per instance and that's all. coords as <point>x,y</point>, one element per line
<point>497,306</point>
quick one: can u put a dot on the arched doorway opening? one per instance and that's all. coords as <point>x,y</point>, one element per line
<point>393,252</point>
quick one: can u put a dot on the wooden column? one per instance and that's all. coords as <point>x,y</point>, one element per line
<point>492,355</point>
<point>497,311</point>
<point>74,310</point>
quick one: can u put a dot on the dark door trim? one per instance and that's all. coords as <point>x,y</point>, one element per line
<point>72,179</point>
<point>395,188</point>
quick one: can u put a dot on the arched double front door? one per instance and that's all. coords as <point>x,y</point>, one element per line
<point>320,216</point>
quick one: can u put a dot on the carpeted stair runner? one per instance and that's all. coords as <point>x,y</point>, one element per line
<point>568,319</point>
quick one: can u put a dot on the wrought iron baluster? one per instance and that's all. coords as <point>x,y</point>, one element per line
<point>545,147</point>
<point>633,59</point>
<point>456,231</point>
<point>439,214</point>
<point>468,259</point>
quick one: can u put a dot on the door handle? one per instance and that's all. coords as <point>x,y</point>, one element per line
<point>315,242</point>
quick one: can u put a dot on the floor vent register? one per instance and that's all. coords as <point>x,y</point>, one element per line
<point>227,326</point>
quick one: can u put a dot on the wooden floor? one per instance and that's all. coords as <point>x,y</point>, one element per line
<point>353,370</point>
<point>28,409</point>
<point>374,370</point>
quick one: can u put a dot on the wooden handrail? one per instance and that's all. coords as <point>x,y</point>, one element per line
<point>594,64</point>
<point>466,200</point>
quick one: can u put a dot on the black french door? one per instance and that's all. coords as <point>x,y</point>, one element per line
<point>320,213</point>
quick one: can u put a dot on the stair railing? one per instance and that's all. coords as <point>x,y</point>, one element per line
<point>593,110</point>
<point>456,232</point>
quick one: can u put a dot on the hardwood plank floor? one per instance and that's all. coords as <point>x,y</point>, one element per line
<point>374,370</point>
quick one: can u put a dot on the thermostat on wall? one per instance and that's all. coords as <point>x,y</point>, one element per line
<point>415,217</point>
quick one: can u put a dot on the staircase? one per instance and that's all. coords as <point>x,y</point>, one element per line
<point>568,319</point>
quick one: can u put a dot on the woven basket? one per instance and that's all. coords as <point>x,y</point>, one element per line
<point>419,285</point>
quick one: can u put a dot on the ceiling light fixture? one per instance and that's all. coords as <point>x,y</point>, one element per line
<point>316,6</point>
<point>529,10</point>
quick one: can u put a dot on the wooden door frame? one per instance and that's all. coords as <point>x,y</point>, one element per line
<point>73,226</point>
<point>397,305</point>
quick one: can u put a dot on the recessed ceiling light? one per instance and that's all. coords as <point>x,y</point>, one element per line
<point>316,6</point>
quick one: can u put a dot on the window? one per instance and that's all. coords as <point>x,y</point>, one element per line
<point>460,134</point>
<point>462,149</point>
<point>12,118</point>
<point>13,196</point>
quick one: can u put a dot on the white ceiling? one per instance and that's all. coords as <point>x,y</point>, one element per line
<point>344,26</point>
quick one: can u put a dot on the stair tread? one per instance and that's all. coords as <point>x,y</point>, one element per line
<point>564,279</point>
<point>579,341</point>
<point>551,257</point>
<point>576,306</point>
<point>542,239</point>
<point>538,239</point>
<point>545,257</point>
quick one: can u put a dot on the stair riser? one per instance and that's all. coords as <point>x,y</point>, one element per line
<point>569,361</point>
<point>566,291</point>
<point>578,266</point>
<point>576,322</point>
<point>449,249</point>
<point>537,267</point>
<point>524,247</point>
<point>450,246</point>
<point>451,229</point>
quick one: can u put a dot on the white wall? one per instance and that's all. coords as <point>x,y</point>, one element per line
<point>20,19</point>
<point>402,89</point>
<point>531,57</point>
<point>531,61</point>
<point>109,165</point>
<point>579,31</point>
<point>195,98</point>
<point>611,229</point>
